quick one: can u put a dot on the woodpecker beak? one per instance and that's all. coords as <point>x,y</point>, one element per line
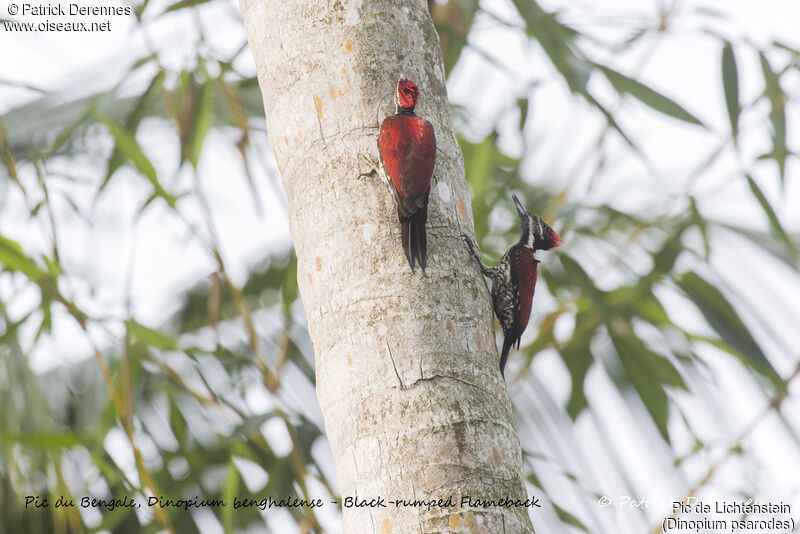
<point>520,208</point>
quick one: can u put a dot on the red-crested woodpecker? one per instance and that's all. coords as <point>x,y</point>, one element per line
<point>407,147</point>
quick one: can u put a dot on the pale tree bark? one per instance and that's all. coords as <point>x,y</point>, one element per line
<point>406,364</point>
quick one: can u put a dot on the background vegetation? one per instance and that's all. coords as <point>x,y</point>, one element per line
<point>151,335</point>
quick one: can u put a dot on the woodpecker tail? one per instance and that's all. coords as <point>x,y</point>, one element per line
<point>414,239</point>
<point>508,342</point>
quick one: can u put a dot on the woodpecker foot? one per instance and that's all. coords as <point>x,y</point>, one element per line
<point>369,165</point>
<point>375,168</point>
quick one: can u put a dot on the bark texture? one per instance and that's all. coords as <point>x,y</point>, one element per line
<point>406,364</point>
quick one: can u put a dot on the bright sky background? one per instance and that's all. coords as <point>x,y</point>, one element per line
<point>165,261</point>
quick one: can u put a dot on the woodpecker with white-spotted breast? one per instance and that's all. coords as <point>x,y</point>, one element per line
<point>407,146</point>
<point>514,277</point>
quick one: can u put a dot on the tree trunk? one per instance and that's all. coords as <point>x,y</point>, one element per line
<point>406,364</point>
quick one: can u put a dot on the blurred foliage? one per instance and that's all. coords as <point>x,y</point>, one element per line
<point>177,399</point>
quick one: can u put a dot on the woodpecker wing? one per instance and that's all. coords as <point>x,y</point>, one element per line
<point>407,146</point>
<point>525,271</point>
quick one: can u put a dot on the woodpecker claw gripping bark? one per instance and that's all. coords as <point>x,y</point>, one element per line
<point>407,147</point>
<point>514,277</point>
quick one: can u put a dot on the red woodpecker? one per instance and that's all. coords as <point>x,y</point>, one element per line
<point>514,277</point>
<point>407,147</point>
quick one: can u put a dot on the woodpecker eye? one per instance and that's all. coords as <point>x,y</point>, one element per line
<point>407,93</point>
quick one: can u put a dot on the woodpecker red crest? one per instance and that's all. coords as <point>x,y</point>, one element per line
<point>407,147</point>
<point>514,277</point>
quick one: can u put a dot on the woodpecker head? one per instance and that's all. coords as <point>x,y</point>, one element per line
<point>534,233</point>
<point>406,95</point>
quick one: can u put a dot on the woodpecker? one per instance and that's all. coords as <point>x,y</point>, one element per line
<point>514,277</point>
<point>407,147</point>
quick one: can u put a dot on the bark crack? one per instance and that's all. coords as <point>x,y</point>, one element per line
<point>402,386</point>
<point>442,377</point>
<point>318,105</point>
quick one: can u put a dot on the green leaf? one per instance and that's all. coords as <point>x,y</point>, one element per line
<point>698,220</point>
<point>573,276</point>
<point>730,84</point>
<point>143,105</point>
<point>664,259</point>
<point>626,85</point>
<point>453,21</point>
<point>252,423</point>
<point>647,371</point>
<point>614,124</point>
<point>650,309</point>
<point>203,115</point>
<point>183,4</point>
<point>767,241</point>
<point>777,116</point>
<point>783,46</point>
<point>523,105</point>
<point>774,223</point>
<point>577,356</point>
<point>133,151</point>
<point>479,161</point>
<point>13,258</point>
<point>726,322</point>
<point>46,307</point>
<point>568,518</point>
<point>150,338</point>
<point>483,161</point>
<point>230,490</point>
<point>558,42</point>
<point>67,132</point>
<point>289,287</point>
<point>47,441</point>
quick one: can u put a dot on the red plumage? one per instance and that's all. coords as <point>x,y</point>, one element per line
<point>525,271</point>
<point>408,149</point>
<point>407,146</point>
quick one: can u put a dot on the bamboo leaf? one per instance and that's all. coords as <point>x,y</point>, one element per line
<point>614,124</point>
<point>453,21</point>
<point>203,119</point>
<point>647,371</point>
<point>777,116</point>
<point>132,122</point>
<point>730,84</point>
<point>13,258</point>
<point>626,85</point>
<point>523,104</point>
<point>767,241</point>
<point>7,156</point>
<point>47,441</point>
<point>133,151</point>
<point>289,287</point>
<point>252,423</point>
<point>231,488</point>
<point>480,160</point>
<point>774,223</point>
<point>577,357</point>
<point>722,317</point>
<point>568,518</point>
<point>558,42</point>
<point>698,220</point>
<point>149,337</point>
<point>183,4</point>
